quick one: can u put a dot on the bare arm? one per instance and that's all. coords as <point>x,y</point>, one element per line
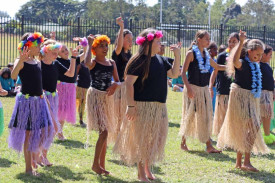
<point>237,55</point>
<point>188,59</point>
<point>71,71</point>
<point>119,45</point>
<point>212,81</point>
<point>174,72</point>
<point>88,56</point>
<point>217,66</point>
<point>111,90</point>
<point>131,104</point>
<point>19,63</point>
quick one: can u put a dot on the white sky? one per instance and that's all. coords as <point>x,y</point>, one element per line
<point>12,6</point>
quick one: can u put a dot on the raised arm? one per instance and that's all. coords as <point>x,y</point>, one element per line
<point>88,56</point>
<point>119,45</point>
<point>71,71</point>
<point>237,54</point>
<point>174,72</point>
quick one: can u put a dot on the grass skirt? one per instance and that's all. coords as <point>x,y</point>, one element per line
<point>100,111</point>
<point>266,104</point>
<point>241,128</point>
<point>144,139</point>
<point>197,114</point>
<point>31,114</point>
<point>66,102</point>
<point>53,100</point>
<point>1,119</point>
<point>81,99</point>
<point>220,111</point>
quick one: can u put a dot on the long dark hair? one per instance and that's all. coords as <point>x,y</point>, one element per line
<point>200,34</point>
<point>133,63</point>
<point>235,35</point>
<point>4,71</point>
<point>267,49</point>
<point>123,54</point>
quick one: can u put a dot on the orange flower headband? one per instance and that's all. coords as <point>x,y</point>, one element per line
<point>98,40</point>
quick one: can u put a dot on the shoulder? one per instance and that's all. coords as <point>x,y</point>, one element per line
<point>190,55</point>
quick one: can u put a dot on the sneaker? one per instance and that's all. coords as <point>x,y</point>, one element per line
<point>82,124</point>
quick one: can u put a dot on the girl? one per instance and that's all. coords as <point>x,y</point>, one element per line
<point>121,55</point>
<point>223,85</point>
<point>66,87</point>
<point>7,82</point>
<point>100,103</point>
<point>266,101</point>
<point>2,93</point>
<point>31,126</point>
<point>197,108</point>
<point>241,128</point>
<point>144,130</point>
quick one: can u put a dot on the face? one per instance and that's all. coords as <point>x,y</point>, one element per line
<point>52,54</point>
<point>205,41</point>
<point>64,52</point>
<point>102,49</point>
<point>255,55</point>
<point>34,50</point>
<point>214,51</point>
<point>5,75</point>
<point>267,57</point>
<point>162,50</point>
<point>232,42</point>
<point>128,42</point>
<point>156,46</point>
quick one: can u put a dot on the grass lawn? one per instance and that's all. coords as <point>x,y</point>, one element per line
<point>72,162</point>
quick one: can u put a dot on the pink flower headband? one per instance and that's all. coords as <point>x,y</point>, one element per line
<point>150,36</point>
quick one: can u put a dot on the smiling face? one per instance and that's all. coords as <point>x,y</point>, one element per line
<point>204,41</point>
<point>255,55</point>
<point>102,49</point>
<point>52,54</point>
<point>232,42</point>
<point>64,52</point>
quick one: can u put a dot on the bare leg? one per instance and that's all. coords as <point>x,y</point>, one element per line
<point>210,148</point>
<point>141,173</point>
<point>28,156</point>
<point>239,160</point>
<point>60,135</point>
<point>102,158</point>
<point>247,166</point>
<point>183,144</point>
<point>266,125</point>
<point>148,172</point>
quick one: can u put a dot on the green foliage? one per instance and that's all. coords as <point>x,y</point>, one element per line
<point>4,14</point>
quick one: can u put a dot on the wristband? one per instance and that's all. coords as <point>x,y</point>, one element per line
<point>73,57</point>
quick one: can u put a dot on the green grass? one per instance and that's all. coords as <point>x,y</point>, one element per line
<point>72,162</point>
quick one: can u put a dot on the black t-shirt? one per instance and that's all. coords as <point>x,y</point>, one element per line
<point>222,82</point>
<point>243,76</point>
<point>170,60</point>
<point>31,79</point>
<point>121,63</point>
<point>154,88</point>
<point>195,76</point>
<point>267,77</point>
<point>84,77</point>
<point>50,75</point>
<point>66,64</point>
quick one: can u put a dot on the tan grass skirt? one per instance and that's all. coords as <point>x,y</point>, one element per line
<point>197,114</point>
<point>241,128</point>
<point>143,140</point>
<point>266,104</point>
<point>81,99</point>
<point>100,111</point>
<point>220,111</point>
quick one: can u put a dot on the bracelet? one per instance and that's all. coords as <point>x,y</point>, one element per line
<point>131,106</point>
<point>84,42</point>
<point>73,57</point>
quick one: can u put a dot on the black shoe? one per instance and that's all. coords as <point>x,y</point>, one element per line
<point>82,124</point>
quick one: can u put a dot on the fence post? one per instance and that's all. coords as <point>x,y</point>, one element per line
<point>78,26</point>
<point>264,37</point>
<point>179,26</point>
<point>22,24</point>
<point>221,33</point>
<point>131,25</point>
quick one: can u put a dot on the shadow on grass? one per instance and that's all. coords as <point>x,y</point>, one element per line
<point>69,144</point>
<point>31,179</point>
<point>5,163</point>
<point>262,176</point>
<point>118,162</point>
<point>174,125</point>
<point>213,156</point>
<point>65,173</point>
<point>112,178</point>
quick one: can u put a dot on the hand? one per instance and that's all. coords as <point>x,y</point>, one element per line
<point>111,90</point>
<point>211,92</point>
<point>179,44</point>
<point>24,55</point>
<point>242,35</point>
<point>53,35</point>
<point>190,93</point>
<point>131,113</point>
<point>78,39</point>
<point>120,22</point>
<point>75,52</point>
<point>91,39</point>
<point>176,49</point>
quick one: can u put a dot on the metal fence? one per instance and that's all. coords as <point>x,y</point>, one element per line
<point>11,29</point>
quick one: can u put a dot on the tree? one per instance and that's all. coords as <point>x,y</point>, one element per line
<point>4,14</point>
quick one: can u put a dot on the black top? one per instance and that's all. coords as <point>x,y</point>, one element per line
<point>84,77</point>
<point>31,79</point>
<point>101,76</point>
<point>195,76</point>
<point>121,63</point>
<point>66,64</point>
<point>243,76</point>
<point>170,60</point>
<point>267,77</point>
<point>222,82</point>
<point>50,75</point>
<point>154,88</point>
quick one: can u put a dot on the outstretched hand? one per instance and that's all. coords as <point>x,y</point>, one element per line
<point>24,55</point>
<point>75,52</point>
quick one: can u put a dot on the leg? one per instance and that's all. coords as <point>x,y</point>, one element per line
<point>102,158</point>
<point>210,148</point>
<point>81,112</point>
<point>148,171</point>
<point>239,160</point>
<point>266,125</point>
<point>141,173</point>
<point>183,144</point>
<point>28,156</point>
<point>247,166</point>
<point>44,158</point>
<point>60,135</point>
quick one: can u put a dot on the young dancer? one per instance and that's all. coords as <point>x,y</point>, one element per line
<point>31,127</point>
<point>241,128</point>
<point>144,130</point>
<point>100,101</point>
<point>222,84</point>
<point>197,112</point>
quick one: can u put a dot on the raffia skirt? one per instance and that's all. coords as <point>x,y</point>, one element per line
<point>143,140</point>
<point>197,114</point>
<point>220,111</point>
<point>266,104</point>
<point>241,128</point>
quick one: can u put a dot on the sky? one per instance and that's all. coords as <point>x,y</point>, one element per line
<point>12,6</point>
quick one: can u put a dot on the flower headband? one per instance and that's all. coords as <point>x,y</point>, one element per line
<point>98,40</point>
<point>49,47</point>
<point>33,40</point>
<point>150,36</point>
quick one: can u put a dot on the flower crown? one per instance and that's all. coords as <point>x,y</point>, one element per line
<point>150,36</point>
<point>33,40</point>
<point>49,47</point>
<point>98,40</point>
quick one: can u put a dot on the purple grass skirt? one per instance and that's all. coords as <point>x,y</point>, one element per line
<point>53,100</point>
<point>31,114</point>
<point>67,102</point>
